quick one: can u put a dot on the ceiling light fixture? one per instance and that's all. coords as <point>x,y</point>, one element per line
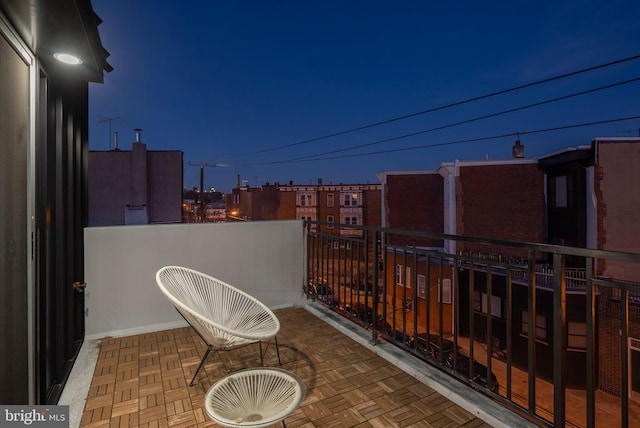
<point>67,58</point>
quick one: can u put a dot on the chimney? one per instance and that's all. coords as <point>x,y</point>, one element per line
<point>319,181</point>
<point>518,150</point>
<point>237,181</point>
<point>138,131</point>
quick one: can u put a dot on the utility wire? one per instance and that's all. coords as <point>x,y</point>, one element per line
<point>463,122</point>
<point>446,106</point>
<point>448,143</point>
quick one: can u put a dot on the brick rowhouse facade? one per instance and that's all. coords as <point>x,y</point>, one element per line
<point>616,178</point>
<point>500,200</point>
<point>324,203</point>
<point>414,201</point>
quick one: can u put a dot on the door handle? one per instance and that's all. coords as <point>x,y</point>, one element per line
<point>79,286</point>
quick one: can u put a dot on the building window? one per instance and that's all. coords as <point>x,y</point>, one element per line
<point>446,291</point>
<point>341,245</point>
<point>577,335</point>
<point>401,277</point>
<point>236,198</point>
<point>480,304</point>
<point>422,287</point>
<point>562,192</point>
<point>541,326</point>
<point>306,199</point>
<point>350,199</point>
<point>330,199</point>
<point>330,220</point>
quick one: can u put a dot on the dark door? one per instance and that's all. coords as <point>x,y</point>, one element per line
<point>61,216</point>
<point>15,261</point>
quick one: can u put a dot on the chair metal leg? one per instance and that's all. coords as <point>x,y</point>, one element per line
<point>206,354</point>
<point>262,354</point>
<point>278,352</point>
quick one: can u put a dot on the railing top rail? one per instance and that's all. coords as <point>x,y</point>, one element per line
<point>538,247</point>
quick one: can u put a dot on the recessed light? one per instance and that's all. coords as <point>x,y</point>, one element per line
<point>67,58</point>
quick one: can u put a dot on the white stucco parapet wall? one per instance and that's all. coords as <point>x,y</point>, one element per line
<point>265,259</point>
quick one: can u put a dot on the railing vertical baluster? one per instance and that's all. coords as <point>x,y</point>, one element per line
<point>385,259</point>
<point>371,241</point>
<point>559,340</point>
<point>624,357</point>
<point>489,335</point>
<point>456,295</point>
<point>332,249</point>
<point>531,334</point>
<point>427,318</point>
<point>509,338</point>
<point>414,292</point>
<point>365,287</point>
<point>310,244</point>
<point>591,311</point>
<point>440,294</point>
<point>472,287</point>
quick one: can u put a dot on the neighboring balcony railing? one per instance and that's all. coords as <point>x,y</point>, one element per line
<point>524,327</point>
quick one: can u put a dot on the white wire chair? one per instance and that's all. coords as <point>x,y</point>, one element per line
<point>224,316</point>
<point>254,397</point>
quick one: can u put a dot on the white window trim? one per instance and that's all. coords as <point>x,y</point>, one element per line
<point>330,219</point>
<point>446,291</point>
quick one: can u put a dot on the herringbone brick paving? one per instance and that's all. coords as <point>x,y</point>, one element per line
<point>142,381</point>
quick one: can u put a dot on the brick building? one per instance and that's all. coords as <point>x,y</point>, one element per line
<point>496,199</point>
<point>616,184</point>
<point>349,204</point>
<point>413,200</point>
<point>136,186</point>
<point>255,203</point>
<point>616,179</point>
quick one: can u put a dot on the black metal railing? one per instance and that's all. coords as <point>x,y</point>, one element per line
<point>510,319</point>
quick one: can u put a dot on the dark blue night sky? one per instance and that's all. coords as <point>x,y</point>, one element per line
<point>245,83</point>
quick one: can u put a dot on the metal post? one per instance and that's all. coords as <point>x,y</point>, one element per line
<point>559,340</point>
<point>531,322</point>
<point>591,309</point>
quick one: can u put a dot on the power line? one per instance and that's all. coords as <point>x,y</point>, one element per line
<point>446,106</point>
<point>463,122</point>
<point>448,143</point>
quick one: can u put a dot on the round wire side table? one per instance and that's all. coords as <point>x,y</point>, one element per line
<point>254,397</point>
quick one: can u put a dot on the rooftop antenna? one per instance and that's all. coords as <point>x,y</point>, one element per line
<point>110,120</point>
